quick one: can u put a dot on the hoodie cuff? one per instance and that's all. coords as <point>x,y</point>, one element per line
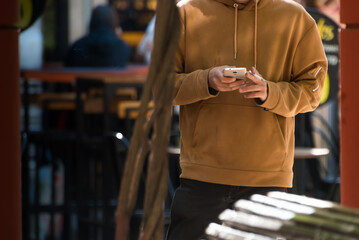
<point>202,87</point>
<point>272,98</point>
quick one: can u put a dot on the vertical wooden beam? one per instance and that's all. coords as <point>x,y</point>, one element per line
<point>349,101</point>
<point>10,171</point>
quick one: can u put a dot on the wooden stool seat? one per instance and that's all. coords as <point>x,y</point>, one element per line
<point>129,109</point>
<point>57,101</point>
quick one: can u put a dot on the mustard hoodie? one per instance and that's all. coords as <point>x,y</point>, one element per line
<point>225,138</point>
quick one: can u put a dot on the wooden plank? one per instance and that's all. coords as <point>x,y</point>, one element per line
<point>282,215</point>
<point>135,73</point>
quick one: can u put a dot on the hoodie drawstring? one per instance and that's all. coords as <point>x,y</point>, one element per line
<point>235,29</point>
<point>235,5</point>
<point>255,32</point>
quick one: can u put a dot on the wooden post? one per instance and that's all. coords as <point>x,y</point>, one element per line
<point>160,80</point>
<point>349,101</point>
<point>10,171</point>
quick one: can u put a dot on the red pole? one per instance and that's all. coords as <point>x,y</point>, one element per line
<point>349,102</point>
<point>10,151</point>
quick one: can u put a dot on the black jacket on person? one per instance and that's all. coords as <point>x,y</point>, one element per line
<point>100,48</point>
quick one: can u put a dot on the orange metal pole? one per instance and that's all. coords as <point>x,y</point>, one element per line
<point>349,103</point>
<point>10,171</point>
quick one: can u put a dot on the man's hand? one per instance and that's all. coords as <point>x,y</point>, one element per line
<point>217,81</point>
<point>255,88</point>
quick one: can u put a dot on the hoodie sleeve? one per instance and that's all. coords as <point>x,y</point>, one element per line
<point>189,87</point>
<point>302,94</point>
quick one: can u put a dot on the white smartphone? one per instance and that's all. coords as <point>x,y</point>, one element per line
<point>239,73</point>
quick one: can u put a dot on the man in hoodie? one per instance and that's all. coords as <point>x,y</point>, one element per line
<point>237,136</point>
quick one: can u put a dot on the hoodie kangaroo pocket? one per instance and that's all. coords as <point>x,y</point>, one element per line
<point>239,137</point>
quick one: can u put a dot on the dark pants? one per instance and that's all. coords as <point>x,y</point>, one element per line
<point>196,204</point>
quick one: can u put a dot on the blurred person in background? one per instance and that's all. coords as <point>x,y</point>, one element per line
<point>145,47</point>
<point>101,47</point>
<point>330,8</point>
